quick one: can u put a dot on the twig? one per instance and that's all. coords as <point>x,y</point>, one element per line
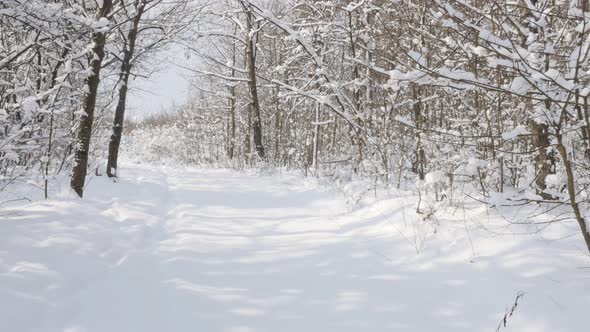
<point>510,311</point>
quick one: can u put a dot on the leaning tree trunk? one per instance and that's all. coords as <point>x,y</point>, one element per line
<point>251,63</point>
<point>87,118</point>
<point>571,189</point>
<point>126,65</point>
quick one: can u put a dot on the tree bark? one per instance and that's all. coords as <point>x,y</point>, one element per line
<point>419,163</point>
<point>316,137</point>
<point>232,109</point>
<point>571,189</point>
<point>232,123</point>
<point>87,118</point>
<point>251,63</point>
<point>126,65</point>
<point>544,160</point>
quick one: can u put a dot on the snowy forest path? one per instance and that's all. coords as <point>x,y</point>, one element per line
<point>214,250</point>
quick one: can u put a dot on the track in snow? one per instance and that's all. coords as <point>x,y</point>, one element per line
<point>175,250</point>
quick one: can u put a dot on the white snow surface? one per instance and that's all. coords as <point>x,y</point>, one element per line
<point>186,249</point>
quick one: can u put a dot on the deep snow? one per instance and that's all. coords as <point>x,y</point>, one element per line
<point>184,249</point>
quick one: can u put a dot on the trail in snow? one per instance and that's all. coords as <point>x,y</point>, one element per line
<point>214,250</point>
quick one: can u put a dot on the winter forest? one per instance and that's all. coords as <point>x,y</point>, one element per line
<point>369,165</point>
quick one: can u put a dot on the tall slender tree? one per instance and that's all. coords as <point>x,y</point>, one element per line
<point>87,115</point>
<point>125,71</point>
<point>251,64</point>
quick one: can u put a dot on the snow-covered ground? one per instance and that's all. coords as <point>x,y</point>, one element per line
<point>182,249</point>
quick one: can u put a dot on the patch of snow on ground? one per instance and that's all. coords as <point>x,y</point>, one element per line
<point>183,249</point>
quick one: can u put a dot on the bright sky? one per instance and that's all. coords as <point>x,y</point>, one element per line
<point>163,89</point>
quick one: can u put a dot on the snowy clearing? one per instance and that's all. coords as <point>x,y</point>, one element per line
<point>216,250</point>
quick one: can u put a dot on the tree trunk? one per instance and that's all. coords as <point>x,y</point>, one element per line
<point>232,123</point>
<point>87,118</point>
<point>232,109</point>
<point>126,65</point>
<point>248,138</point>
<point>316,134</point>
<point>571,189</point>
<point>544,160</point>
<point>251,63</point>
<point>419,164</point>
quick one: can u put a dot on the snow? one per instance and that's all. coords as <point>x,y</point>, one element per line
<point>520,86</point>
<point>30,106</point>
<point>515,132</point>
<point>353,6</point>
<point>187,249</point>
<point>81,112</point>
<point>101,25</point>
<point>434,177</point>
<point>10,155</point>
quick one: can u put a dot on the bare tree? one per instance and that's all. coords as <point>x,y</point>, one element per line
<point>92,82</point>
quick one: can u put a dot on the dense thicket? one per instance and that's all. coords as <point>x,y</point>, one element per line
<point>63,65</point>
<point>43,63</point>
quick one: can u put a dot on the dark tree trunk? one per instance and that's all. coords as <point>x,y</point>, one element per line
<point>544,159</point>
<point>571,189</point>
<point>419,163</point>
<point>251,63</point>
<point>232,109</point>
<point>232,123</point>
<point>87,118</point>
<point>126,65</point>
